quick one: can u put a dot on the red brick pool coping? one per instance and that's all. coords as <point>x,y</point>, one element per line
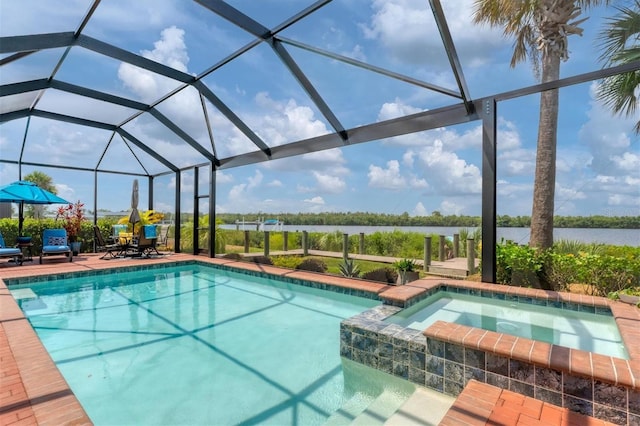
<point>483,404</point>
<point>33,391</point>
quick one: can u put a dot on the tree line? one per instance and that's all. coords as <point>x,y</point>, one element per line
<point>435,219</point>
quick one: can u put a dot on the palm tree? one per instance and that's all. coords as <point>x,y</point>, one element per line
<point>541,29</point>
<point>45,182</point>
<point>621,45</point>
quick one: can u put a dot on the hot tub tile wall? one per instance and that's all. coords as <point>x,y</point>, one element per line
<point>446,356</point>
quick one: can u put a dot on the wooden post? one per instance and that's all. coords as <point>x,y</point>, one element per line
<point>427,253</point>
<point>345,246</point>
<point>305,241</point>
<point>471,257</point>
<point>361,243</point>
<point>285,240</point>
<point>441,255</point>
<point>456,245</point>
<point>266,243</point>
<point>246,241</point>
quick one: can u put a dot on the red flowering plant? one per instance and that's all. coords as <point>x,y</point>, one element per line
<point>73,216</point>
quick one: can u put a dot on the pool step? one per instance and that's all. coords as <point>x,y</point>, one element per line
<point>384,406</point>
<point>425,407</point>
<point>349,410</point>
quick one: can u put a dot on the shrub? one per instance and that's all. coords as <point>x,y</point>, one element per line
<point>290,262</point>
<point>606,274</point>
<point>313,265</point>
<point>560,270</point>
<point>385,275</point>
<point>512,257</point>
<point>263,260</point>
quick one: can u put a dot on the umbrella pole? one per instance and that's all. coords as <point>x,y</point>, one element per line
<point>20,217</point>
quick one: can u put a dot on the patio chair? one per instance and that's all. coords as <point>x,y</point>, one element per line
<point>55,243</point>
<point>12,252</point>
<point>145,242</point>
<point>112,250</point>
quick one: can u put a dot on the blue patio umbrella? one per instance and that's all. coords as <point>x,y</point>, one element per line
<point>24,192</point>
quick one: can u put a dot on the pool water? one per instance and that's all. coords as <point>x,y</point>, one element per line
<point>197,345</point>
<point>574,329</point>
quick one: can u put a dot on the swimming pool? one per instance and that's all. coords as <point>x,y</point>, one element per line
<point>198,345</point>
<point>570,328</point>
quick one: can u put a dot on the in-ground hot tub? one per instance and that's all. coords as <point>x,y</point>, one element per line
<point>580,328</point>
<point>445,355</point>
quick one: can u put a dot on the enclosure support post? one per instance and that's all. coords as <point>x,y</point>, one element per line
<point>441,256</point>
<point>489,176</point>
<point>266,243</point>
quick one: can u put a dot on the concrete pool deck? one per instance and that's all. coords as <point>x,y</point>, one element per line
<point>33,392</point>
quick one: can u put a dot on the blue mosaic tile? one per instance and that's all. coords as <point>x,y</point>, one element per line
<point>578,405</point>
<point>417,376</point>
<point>538,302</point>
<point>499,296</point>
<point>549,396</point>
<point>434,365</point>
<point>434,382</point>
<point>571,306</point>
<point>521,388</point>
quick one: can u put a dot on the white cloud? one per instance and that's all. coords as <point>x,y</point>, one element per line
<point>275,183</point>
<point>608,139</point>
<point>449,207</point>
<point>223,178</point>
<point>420,210</point>
<point>170,50</point>
<point>328,183</point>
<point>388,178</point>
<point>278,122</point>
<point>628,161</point>
<point>238,192</point>
<point>448,173</point>
<point>408,32</point>
<point>315,200</point>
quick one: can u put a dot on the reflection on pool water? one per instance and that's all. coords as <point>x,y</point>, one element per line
<point>579,330</point>
<point>199,345</point>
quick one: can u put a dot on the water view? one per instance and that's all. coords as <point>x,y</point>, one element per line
<point>620,237</point>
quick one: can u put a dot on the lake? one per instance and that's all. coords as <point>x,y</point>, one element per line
<point>619,237</point>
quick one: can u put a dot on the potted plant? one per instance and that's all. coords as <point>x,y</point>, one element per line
<point>72,216</point>
<point>407,271</point>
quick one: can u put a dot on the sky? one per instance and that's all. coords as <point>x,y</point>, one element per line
<point>598,162</point>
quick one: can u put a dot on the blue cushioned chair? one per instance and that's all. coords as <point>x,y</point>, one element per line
<point>54,243</point>
<point>12,252</point>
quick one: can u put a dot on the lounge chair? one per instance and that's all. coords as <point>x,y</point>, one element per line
<point>145,242</point>
<point>112,250</point>
<point>55,243</point>
<point>13,252</point>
